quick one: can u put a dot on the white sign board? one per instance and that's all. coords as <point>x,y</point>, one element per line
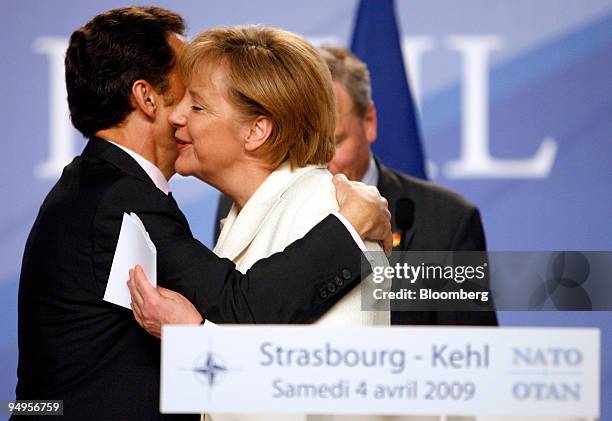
<point>395,370</point>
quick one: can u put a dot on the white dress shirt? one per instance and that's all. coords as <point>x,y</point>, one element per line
<point>371,175</point>
<point>151,169</point>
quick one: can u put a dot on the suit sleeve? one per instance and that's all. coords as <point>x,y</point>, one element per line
<point>287,287</point>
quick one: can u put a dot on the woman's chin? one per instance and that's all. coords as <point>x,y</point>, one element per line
<point>183,170</point>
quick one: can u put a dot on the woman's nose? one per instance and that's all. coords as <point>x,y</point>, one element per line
<point>178,117</point>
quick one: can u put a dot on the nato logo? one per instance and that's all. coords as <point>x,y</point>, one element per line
<point>209,369</point>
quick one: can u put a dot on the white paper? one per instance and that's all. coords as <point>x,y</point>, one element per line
<point>134,247</point>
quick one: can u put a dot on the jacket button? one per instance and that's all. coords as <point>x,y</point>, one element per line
<point>346,274</point>
<point>339,282</point>
<point>323,294</point>
<point>331,288</point>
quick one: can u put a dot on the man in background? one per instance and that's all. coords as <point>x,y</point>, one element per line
<point>425,217</point>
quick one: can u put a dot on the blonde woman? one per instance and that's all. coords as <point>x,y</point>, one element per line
<point>257,122</point>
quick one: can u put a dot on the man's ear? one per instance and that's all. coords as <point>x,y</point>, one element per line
<point>259,130</point>
<point>370,123</point>
<point>144,97</point>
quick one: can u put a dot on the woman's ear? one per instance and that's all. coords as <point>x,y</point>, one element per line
<point>260,130</point>
<point>144,97</point>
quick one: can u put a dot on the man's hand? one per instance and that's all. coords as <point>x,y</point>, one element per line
<point>365,209</point>
<point>154,307</point>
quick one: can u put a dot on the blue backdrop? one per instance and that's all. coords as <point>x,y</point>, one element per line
<point>514,102</point>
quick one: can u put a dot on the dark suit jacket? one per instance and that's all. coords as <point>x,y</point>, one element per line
<point>443,221</point>
<point>76,347</point>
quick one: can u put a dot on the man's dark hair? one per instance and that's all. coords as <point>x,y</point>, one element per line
<point>107,55</point>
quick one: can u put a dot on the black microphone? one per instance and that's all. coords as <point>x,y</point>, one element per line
<point>404,217</point>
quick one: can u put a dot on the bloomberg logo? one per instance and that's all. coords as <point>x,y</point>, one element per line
<point>557,363</point>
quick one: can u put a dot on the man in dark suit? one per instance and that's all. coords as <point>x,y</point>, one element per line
<point>439,219</point>
<point>122,83</point>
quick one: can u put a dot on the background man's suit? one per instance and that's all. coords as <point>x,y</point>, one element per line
<point>443,220</point>
<point>92,354</point>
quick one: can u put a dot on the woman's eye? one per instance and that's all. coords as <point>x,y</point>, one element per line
<point>197,108</point>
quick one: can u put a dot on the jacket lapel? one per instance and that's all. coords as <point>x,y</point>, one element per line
<point>240,228</point>
<point>106,151</point>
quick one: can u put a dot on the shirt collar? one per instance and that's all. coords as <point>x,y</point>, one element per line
<point>152,171</point>
<point>371,175</point>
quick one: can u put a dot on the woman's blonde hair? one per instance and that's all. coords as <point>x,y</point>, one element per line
<point>278,74</point>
